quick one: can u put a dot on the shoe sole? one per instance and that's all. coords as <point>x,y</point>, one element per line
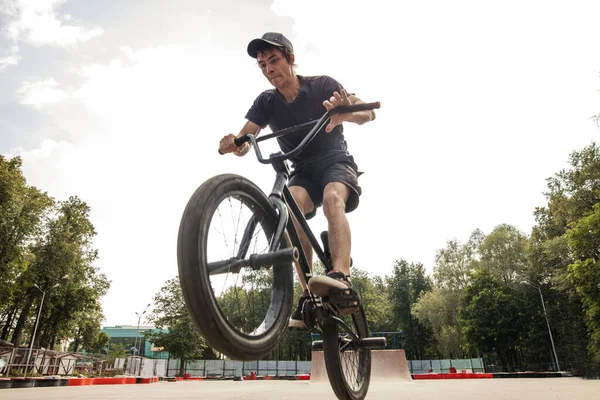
<point>294,323</point>
<point>320,285</point>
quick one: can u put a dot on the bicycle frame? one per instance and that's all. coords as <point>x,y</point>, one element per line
<point>282,199</point>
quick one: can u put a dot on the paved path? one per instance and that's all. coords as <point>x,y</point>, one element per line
<point>476,389</point>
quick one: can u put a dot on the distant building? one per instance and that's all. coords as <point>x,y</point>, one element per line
<point>127,334</point>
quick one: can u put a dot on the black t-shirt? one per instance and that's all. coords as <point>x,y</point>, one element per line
<point>270,108</point>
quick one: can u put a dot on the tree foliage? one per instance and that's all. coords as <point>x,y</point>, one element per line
<point>22,211</point>
<point>45,247</point>
<point>492,317</point>
<point>407,283</point>
<point>560,250</point>
<point>175,330</point>
<point>584,239</point>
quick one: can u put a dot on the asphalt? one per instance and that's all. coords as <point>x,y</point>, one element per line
<point>462,389</point>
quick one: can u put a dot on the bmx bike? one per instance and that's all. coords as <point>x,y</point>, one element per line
<point>235,251</point>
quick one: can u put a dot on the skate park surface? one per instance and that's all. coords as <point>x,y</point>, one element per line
<point>464,389</point>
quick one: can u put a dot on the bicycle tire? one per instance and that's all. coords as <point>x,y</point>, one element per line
<point>194,276</point>
<point>348,382</point>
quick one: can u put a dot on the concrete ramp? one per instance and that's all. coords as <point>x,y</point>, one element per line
<point>386,365</point>
<point>318,371</point>
<point>389,365</point>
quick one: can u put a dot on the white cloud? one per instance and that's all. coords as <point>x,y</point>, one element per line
<point>41,93</point>
<point>148,127</point>
<point>47,148</point>
<point>36,22</point>
<point>11,57</point>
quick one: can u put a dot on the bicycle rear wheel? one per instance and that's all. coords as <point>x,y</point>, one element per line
<point>240,311</point>
<point>348,368</point>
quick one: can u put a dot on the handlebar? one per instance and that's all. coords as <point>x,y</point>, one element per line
<point>317,125</point>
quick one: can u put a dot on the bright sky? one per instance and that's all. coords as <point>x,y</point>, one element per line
<point>123,104</point>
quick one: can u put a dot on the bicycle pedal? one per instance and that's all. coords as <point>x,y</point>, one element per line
<point>344,298</point>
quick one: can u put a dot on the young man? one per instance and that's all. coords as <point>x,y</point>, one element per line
<point>324,173</point>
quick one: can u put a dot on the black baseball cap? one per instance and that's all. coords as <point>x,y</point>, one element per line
<point>272,38</point>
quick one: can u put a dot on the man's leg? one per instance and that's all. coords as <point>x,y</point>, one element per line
<point>306,205</point>
<point>335,196</point>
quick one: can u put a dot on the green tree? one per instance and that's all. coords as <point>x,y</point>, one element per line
<point>572,194</point>
<point>503,253</point>
<point>492,318</point>
<point>584,239</point>
<point>374,297</point>
<point>247,301</point>
<point>22,209</point>
<point>438,309</point>
<point>456,261</point>
<point>406,285</point>
<point>116,350</point>
<point>64,256</point>
<point>98,343</point>
<point>181,339</point>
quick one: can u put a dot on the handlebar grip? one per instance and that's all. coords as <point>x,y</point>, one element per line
<point>238,142</point>
<point>355,107</point>
<point>241,140</point>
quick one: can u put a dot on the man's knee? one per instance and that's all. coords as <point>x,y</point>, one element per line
<point>334,199</point>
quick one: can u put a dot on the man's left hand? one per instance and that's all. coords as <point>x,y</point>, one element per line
<point>335,101</point>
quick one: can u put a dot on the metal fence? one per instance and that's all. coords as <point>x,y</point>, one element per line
<point>144,367</point>
<point>443,366</point>
<point>44,362</point>
<point>228,368</point>
<point>48,362</point>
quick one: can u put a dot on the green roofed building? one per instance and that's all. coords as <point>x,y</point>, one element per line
<point>133,338</point>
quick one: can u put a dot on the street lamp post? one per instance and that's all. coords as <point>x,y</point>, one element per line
<point>137,332</point>
<point>539,288</point>
<point>36,323</point>
<point>549,331</point>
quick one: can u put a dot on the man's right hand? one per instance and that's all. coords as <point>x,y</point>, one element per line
<point>227,145</point>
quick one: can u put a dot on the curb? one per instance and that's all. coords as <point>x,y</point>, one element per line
<point>432,376</point>
<point>17,383</point>
<point>480,375</point>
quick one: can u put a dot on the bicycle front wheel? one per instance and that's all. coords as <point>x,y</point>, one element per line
<point>348,368</point>
<point>240,311</point>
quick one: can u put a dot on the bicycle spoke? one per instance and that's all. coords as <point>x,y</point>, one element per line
<point>243,293</point>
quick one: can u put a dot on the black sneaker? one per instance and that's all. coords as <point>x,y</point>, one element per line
<point>297,319</point>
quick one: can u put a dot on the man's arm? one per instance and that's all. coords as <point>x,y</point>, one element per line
<point>227,144</point>
<point>360,117</point>
<point>248,128</point>
<point>343,99</point>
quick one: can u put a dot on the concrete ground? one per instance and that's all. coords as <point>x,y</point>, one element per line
<point>472,389</point>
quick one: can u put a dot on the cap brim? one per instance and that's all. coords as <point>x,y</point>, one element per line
<point>256,44</point>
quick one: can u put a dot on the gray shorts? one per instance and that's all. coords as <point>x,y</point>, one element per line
<point>315,178</point>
